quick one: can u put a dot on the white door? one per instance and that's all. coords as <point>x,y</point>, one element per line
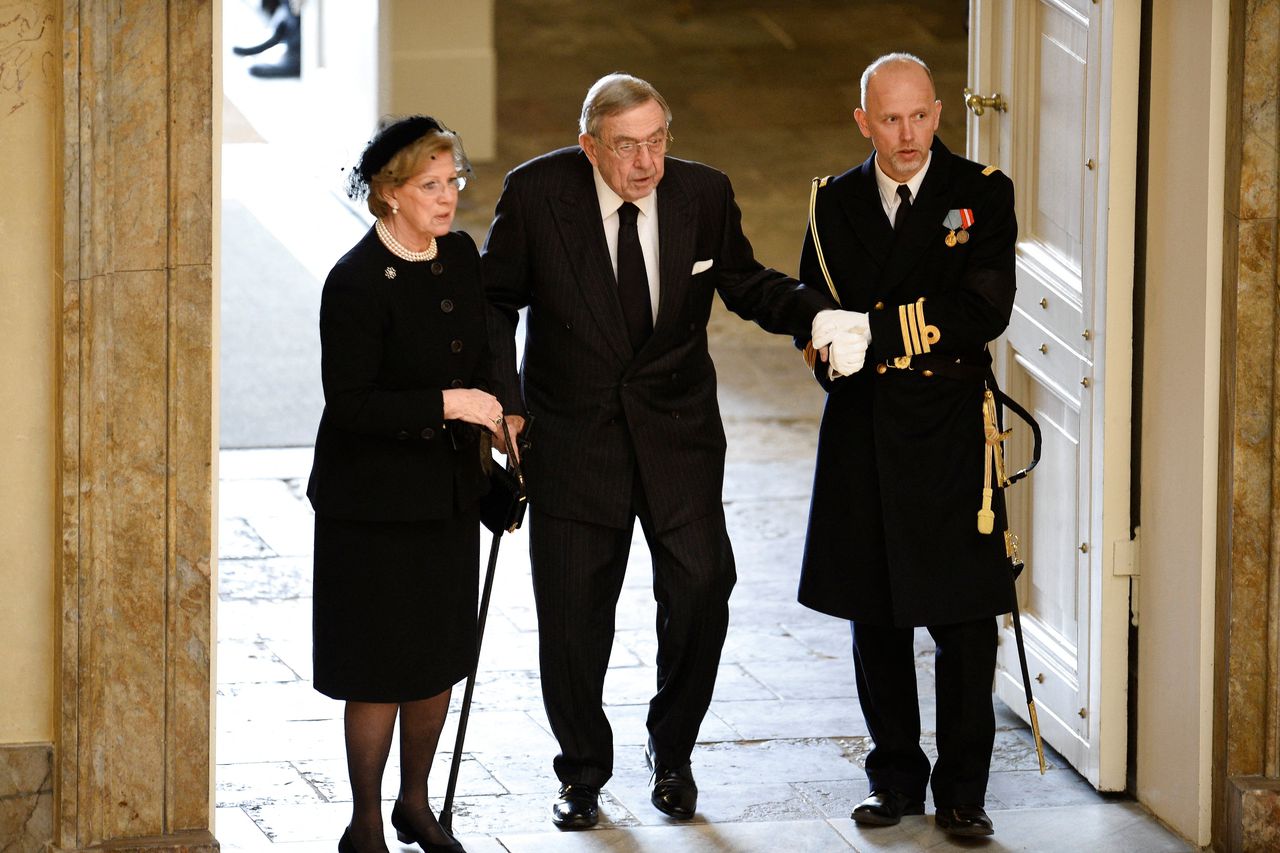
<point>1066,73</point>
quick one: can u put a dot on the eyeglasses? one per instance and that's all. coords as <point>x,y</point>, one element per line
<point>440,188</point>
<point>629,149</point>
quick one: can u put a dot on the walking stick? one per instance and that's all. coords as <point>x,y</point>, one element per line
<point>504,511</point>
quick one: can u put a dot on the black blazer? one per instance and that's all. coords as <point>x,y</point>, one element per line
<point>893,535</point>
<point>603,412</point>
<point>393,335</point>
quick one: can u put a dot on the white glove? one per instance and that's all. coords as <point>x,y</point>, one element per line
<point>828,324</point>
<point>848,352</point>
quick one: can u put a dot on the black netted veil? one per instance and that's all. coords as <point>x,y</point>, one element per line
<point>393,136</point>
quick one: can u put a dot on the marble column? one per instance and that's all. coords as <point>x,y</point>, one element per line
<point>1247,666</point>
<point>132,759</point>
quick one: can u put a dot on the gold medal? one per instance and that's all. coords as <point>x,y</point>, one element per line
<point>962,236</point>
<point>951,238</point>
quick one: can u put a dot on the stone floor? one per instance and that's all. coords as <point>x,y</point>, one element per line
<point>765,92</point>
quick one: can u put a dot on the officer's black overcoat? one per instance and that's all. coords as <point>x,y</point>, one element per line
<point>893,535</point>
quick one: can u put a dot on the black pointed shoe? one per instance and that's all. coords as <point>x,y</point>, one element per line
<point>675,794</point>
<point>577,806</point>
<point>885,808</point>
<point>969,821</point>
<point>406,834</point>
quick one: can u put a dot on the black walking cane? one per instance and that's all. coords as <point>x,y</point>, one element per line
<point>502,509</point>
<point>994,400</point>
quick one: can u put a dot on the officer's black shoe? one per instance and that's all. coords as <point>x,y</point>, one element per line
<point>885,808</point>
<point>964,821</point>
<point>576,807</point>
<point>674,792</point>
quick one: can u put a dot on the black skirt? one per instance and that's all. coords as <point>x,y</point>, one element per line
<point>394,608</point>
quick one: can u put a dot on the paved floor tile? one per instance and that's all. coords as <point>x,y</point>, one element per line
<point>769,761</point>
<point>265,578</point>
<point>782,718</point>
<point>723,804</point>
<point>266,782</point>
<point>817,679</point>
<point>794,837</point>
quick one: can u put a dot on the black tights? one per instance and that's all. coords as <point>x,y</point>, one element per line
<point>369,727</point>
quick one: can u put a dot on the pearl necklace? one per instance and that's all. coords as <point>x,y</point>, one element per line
<point>396,248</point>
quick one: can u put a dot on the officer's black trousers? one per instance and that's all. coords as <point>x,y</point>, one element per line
<point>964,667</point>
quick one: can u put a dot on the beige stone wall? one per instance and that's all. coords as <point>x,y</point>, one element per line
<point>29,77</point>
<point>1247,665</point>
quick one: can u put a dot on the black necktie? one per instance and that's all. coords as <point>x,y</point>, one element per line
<point>904,207</point>
<point>633,281</point>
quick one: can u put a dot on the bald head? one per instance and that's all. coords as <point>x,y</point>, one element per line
<point>894,61</point>
<point>899,113</point>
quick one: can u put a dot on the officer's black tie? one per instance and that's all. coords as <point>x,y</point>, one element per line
<point>633,281</point>
<point>904,207</point>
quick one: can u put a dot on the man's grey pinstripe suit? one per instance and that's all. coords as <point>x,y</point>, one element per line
<point>621,435</point>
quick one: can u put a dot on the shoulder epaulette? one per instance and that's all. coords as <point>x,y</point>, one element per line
<point>822,182</point>
<point>990,169</point>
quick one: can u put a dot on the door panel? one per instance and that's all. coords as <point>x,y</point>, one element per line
<point>1055,62</point>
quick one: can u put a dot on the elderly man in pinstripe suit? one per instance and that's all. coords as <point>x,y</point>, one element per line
<point>617,251</point>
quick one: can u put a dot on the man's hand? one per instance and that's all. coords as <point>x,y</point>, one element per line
<point>515,423</point>
<point>828,324</point>
<point>841,339</point>
<point>848,352</point>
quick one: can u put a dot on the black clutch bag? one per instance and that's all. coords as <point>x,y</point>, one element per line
<point>502,509</point>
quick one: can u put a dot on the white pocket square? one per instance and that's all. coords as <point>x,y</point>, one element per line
<point>702,266</point>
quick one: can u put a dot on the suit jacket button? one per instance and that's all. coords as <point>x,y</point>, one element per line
<point>675,415</point>
<point>428,433</point>
<point>436,268</point>
<point>693,327</point>
<point>446,305</point>
<point>880,368</point>
<point>402,435</point>
<point>879,306</point>
<point>457,383</point>
<point>568,327</point>
<point>456,346</point>
<point>928,373</point>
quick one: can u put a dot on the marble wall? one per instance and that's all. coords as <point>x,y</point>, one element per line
<point>136,418</point>
<point>26,797</point>
<point>1247,665</point>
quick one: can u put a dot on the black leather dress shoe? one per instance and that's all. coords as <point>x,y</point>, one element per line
<point>885,808</point>
<point>965,821</point>
<point>674,792</point>
<point>576,807</point>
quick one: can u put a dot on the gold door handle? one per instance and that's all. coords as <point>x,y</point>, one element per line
<point>978,104</point>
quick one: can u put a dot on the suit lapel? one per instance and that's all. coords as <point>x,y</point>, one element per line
<point>925,223</point>
<point>576,212</point>
<point>675,245</point>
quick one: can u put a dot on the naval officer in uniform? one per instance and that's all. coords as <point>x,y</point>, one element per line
<point>919,243</point>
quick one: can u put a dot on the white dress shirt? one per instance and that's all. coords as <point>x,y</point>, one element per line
<point>889,199</point>
<point>646,228</point>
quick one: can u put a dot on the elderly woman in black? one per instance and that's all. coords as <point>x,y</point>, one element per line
<point>397,474</point>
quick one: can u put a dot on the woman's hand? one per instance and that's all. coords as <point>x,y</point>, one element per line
<point>473,406</point>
